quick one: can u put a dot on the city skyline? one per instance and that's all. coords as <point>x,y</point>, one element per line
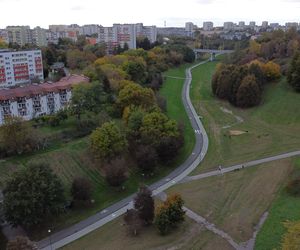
<point>131,11</point>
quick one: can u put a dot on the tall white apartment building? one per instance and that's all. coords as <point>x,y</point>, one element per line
<point>189,28</point>
<point>146,31</point>
<point>252,24</point>
<point>19,34</point>
<point>208,26</point>
<point>228,26</point>
<point>90,29</point>
<point>4,35</point>
<point>38,36</point>
<point>20,67</point>
<point>265,24</point>
<point>126,33</point>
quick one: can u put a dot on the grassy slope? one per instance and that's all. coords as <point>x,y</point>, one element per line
<point>273,127</point>
<point>285,208</point>
<point>72,159</point>
<point>171,90</point>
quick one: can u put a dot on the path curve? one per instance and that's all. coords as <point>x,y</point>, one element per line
<point>92,223</point>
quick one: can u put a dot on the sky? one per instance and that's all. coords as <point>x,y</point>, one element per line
<point>150,12</point>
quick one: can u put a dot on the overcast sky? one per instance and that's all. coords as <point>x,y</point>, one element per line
<point>174,12</point>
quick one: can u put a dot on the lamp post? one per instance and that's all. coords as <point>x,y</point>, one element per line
<point>49,231</point>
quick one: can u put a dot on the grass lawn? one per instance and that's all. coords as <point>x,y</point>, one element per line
<point>273,127</point>
<point>285,208</point>
<point>71,159</point>
<point>236,201</point>
<point>113,236</point>
<point>171,90</point>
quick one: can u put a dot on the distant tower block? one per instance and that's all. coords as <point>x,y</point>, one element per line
<point>165,23</point>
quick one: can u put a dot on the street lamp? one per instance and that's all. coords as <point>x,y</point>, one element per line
<point>49,231</point>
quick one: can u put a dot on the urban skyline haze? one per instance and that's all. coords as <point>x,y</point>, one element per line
<point>175,13</point>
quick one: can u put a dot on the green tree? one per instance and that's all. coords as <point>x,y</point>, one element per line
<point>107,141</point>
<point>136,69</point>
<point>249,93</point>
<point>157,126</point>
<point>134,94</point>
<point>293,75</point>
<point>144,204</point>
<point>32,195</point>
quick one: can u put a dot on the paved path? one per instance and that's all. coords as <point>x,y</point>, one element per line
<point>90,224</point>
<point>240,166</point>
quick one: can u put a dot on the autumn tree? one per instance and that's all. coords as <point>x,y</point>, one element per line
<point>116,172</point>
<point>21,243</point>
<point>133,222</point>
<point>169,214</point>
<point>108,141</point>
<point>18,137</point>
<point>146,158</point>
<point>32,195</point>
<point>144,204</point>
<point>136,69</point>
<point>291,240</point>
<point>249,93</point>
<point>271,71</point>
<point>134,94</point>
<point>293,75</point>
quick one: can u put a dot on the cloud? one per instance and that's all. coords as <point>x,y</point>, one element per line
<point>77,8</point>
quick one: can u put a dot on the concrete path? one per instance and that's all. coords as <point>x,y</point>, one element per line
<point>92,223</point>
<point>239,166</point>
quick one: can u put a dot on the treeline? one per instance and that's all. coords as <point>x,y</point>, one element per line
<point>242,77</point>
<point>242,85</point>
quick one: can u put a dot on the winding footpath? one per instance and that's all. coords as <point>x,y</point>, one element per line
<point>92,223</point>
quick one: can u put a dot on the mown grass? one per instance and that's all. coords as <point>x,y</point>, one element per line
<point>272,127</point>
<point>171,90</point>
<point>285,208</point>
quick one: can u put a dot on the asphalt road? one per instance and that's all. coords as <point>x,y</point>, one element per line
<point>90,224</point>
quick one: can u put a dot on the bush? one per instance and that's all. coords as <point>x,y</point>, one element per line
<point>146,158</point>
<point>293,187</point>
<point>132,221</point>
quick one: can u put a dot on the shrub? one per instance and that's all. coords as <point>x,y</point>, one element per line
<point>293,187</point>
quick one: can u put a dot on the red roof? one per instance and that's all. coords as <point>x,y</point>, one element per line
<point>34,89</point>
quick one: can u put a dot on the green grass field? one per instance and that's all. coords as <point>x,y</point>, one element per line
<point>285,208</point>
<point>272,127</point>
<point>171,90</point>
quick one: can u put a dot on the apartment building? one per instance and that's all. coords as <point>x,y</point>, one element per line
<point>19,34</point>
<point>20,67</point>
<point>146,31</point>
<point>38,37</point>
<point>228,26</point>
<point>35,100</point>
<point>4,35</point>
<point>208,26</point>
<point>189,28</point>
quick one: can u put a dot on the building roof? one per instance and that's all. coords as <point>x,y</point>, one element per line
<point>64,83</point>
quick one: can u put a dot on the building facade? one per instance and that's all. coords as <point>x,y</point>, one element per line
<point>36,100</point>
<point>208,26</point>
<point>20,67</point>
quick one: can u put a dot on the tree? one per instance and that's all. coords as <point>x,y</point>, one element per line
<point>134,94</point>
<point>21,243</point>
<point>146,158</point>
<point>293,187</point>
<point>271,71</point>
<point>32,195</point>
<point>107,141</point>
<point>156,126</point>
<point>169,214</point>
<point>132,221</point>
<point>81,189</point>
<point>136,69</point>
<point>293,75</point>
<point>18,137</point>
<point>116,172</point>
<point>144,204</point>
<point>249,93</point>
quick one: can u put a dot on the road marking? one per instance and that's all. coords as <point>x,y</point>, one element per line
<point>103,211</point>
<point>198,132</point>
<point>168,179</point>
<point>113,215</point>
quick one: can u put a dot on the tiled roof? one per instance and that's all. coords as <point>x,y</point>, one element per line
<point>43,88</point>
